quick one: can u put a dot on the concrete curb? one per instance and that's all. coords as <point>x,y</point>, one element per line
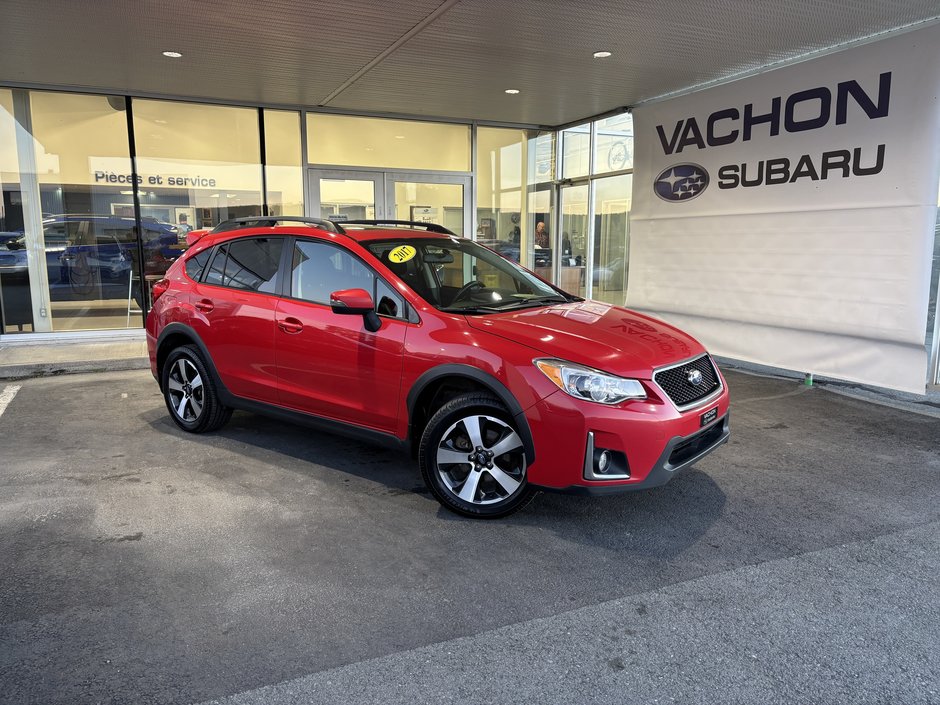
<point>50,369</point>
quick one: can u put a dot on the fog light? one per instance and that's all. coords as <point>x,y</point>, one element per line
<point>604,463</point>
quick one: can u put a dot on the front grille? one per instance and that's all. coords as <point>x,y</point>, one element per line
<point>675,381</point>
<point>693,446</point>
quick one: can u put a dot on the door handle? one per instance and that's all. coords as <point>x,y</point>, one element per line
<point>290,325</point>
<point>204,305</point>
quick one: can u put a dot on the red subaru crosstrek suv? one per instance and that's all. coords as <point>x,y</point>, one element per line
<point>405,334</point>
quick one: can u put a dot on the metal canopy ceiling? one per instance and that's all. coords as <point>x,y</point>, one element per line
<point>440,58</point>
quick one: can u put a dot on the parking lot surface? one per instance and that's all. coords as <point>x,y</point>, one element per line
<point>271,564</point>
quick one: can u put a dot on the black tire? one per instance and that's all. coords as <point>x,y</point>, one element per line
<point>203,410</point>
<point>447,433</point>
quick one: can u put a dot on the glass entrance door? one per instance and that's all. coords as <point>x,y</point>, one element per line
<point>430,198</point>
<point>351,194</point>
<point>346,194</point>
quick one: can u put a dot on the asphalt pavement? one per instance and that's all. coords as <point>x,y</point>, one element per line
<point>271,564</point>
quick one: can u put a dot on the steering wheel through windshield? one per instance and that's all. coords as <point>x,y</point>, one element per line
<point>466,289</point>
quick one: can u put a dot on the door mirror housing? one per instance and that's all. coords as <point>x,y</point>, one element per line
<point>356,302</point>
<point>351,302</point>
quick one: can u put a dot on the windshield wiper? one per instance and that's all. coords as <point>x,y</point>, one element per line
<point>536,301</point>
<point>470,309</point>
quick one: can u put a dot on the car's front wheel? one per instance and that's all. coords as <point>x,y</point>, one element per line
<point>473,459</point>
<point>190,394</point>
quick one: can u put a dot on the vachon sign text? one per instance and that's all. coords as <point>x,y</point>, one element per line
<point>810,109</point>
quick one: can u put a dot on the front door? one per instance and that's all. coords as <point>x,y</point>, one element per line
<point>340,194</point>
<point>329,364</point>
<point>422,196</point>
<point>430,198</point>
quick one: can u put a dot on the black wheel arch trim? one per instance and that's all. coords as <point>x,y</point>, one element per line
<point>498,389</point>
<point>193,336</point>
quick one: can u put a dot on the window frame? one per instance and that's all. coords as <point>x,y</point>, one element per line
<point>407,314</point>
<point>278,275</point>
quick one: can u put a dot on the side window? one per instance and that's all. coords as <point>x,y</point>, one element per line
<point>252,264</point>
<point>195,265</point>
<point>217,268</point>
<point>387,300</point>
<point>319,269</point>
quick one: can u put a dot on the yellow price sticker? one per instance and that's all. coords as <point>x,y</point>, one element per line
<point>402,253</point>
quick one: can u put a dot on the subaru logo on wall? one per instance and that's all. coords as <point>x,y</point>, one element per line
<point>681,182</point>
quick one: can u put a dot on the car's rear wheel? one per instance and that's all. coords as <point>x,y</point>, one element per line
<point>190,394</point>
<point>473,459</point>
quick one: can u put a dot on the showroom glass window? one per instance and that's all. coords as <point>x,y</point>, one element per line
<point>82,246</point>
<point>613,144</point>
<point>15,301</point>
<point>540,202</point>
<point>283,162</point>
<point>501,216</point>
<point>198,164</point>
<point>342,140</point>
<point>612,199</point>
<point>514,177</point>
<point>594,209</point>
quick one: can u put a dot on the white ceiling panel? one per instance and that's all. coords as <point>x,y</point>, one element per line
<point>444,58</point>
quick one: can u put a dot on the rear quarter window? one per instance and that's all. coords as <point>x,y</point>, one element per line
<point>196,264</point>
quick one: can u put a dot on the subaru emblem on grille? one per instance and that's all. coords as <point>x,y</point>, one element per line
<point>694,377</point>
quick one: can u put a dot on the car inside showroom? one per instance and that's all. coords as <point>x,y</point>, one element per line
<point>469,351</point>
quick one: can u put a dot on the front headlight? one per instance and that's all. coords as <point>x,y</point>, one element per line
<point>592,385</point>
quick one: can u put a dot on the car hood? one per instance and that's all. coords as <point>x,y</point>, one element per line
<point>606,337</point>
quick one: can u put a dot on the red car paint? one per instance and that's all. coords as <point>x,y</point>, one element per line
<point>304,357</point>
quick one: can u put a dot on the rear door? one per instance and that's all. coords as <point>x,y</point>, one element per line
<point>329,364</point>
<point>233,313</point>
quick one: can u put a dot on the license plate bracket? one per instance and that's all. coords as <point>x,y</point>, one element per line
<point>708,417</point>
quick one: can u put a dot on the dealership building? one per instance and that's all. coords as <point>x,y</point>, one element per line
<point>765,177</point>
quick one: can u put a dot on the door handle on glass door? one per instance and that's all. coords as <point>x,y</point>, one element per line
<point>204,305</point>
<point>290,325</point>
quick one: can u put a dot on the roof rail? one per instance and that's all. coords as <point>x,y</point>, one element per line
<point>269,221</point>
<point>430,227</point>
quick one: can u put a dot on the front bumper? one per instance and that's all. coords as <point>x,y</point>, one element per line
<point>678,454</point>
<point>656,439</point>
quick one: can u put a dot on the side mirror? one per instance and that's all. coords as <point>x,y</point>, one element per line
<point>351,302</point>
<point>356,302</point>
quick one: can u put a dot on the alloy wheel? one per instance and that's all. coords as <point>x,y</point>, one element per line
<point>186,391</point>
<point>481,460</point>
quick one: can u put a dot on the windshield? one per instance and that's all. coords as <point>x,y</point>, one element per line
<point>460,276</point>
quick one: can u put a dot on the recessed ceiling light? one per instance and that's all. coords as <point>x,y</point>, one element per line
<point>601,54</point>
<point>399,137</point>
<point>172,54</point>
<point>512,91</point>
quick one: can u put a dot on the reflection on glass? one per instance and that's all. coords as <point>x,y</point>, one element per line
<point>539,259</point>
<point>501,165</point>
<point>283,169</point>
<point>16,314</point>
<point>198,166</point>
<point>576,151</point>
<point>430,203</point>
<point>573,242</point>
<point>613,145</point>
<point>612,197</point>
<point>347,199</point>
<point>541,157</point>
<point>89,235</point>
